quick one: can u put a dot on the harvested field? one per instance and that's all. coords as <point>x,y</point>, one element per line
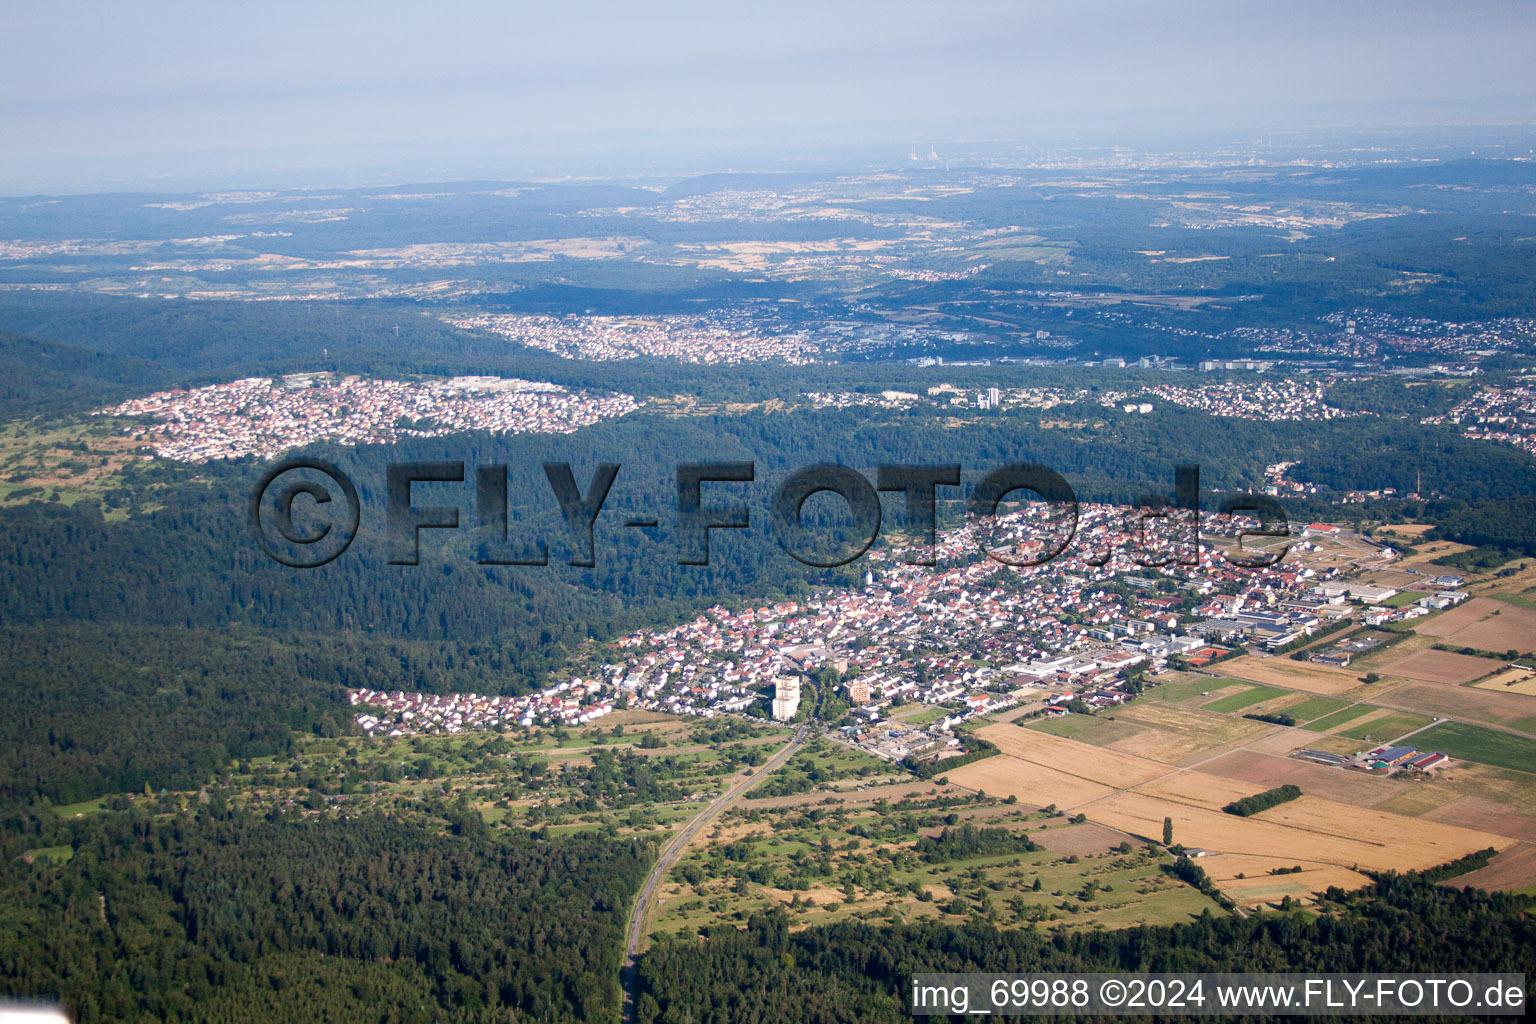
<point>1394,578</point>
<point>1283,741</point>
<point>1312,830</point>
<point>1515,680</point>
<point>1440,667</point>
<point>1267,771</point>
<point>1258,886</point>
<point>1507,626</point>
<point>1468,615</point>
<point>1034,784</point>
<point>1513,868</point>
<point>1096,764</point>
<point>1172,734</point>
<point>1459,617</point>
<point>1296,675</point>
<point>1100,730</point>
<point>1309,829</point>
<point>1515,790</point>
<point>1421,799</point>
<point>1198,789</point>
<point>1009,714</point>
<point>1375,661</point>
<point>1409,529</point>
<point>1488,815</point>
<point>1435,549</point>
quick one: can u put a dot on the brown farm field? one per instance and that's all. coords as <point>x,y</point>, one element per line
<point>1511,869</point>
<point>1095,764</point>
<point>1173,734</point>
<point>1297,675</point>
<point>1394,578</point>
<point>1257,885</point>
<point>1433,550</point>
<point>1409,529</point>
<point>1452,619</point>
<point>1266,771</point>
<point>1486,624</point>
<point>1337,826</point>
<point>1081,840</point>
<point>1307,830</point>
<point>1510,627</point>
<point>1478,812</point>
<point>1440,667</point>
<point>1034,784</point>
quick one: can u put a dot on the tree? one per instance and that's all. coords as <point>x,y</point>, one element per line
<point>1167,831</point>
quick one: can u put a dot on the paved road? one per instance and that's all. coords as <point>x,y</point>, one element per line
<point>673,848</point>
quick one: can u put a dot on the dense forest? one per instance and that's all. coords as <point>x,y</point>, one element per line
<point>857,972</point>
<point>225,918</point>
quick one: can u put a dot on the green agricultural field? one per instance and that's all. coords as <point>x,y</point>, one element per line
<point>918,714</point>
<point>1338,718</point>
<point>1475,743</point>
<point>1094,729</point>
<point>1314,708</point>
<point>1184,690</point>
<point>1389,727</point>
<point>1238,701</point>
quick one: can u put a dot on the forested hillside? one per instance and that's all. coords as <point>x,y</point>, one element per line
<point>213,918</point>
<point>856,972</point>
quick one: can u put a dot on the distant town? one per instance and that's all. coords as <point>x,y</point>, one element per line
<point>262,417</point>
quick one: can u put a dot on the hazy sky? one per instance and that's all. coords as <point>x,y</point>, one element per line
<point>104,80</point>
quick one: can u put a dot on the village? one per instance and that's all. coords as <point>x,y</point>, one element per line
<point>1269,400</point>
<point>969,639</point>
<point>262,417</point>
<point>1507,415</point>
<point>723,336</point>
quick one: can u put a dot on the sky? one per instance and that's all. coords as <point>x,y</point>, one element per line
<point>109,89</point>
